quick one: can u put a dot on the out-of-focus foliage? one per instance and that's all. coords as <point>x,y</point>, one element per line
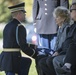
<point>28,7</point>
<point>4,14</point>
<point>4,11</point>
<point>1,35</point>
<point>70,1</point>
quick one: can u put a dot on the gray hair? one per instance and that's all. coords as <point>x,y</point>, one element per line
<point>63,12</point>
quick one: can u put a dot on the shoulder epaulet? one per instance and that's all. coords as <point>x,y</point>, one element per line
<point>17,33</point>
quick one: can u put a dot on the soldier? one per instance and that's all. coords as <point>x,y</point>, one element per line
<point>14,40</point>
<point>44,23</point>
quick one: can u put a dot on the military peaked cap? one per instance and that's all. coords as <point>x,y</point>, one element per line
<point>17,7</point>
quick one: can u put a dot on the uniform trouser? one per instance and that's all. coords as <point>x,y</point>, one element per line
<point>46,66</point>
<point>58,62</point>
<point>24,67</point>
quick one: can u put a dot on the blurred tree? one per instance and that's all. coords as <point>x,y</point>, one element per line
<point>13,2</point>
<point>28,7</point>
<point>70,2</point>
<point>4,12</point>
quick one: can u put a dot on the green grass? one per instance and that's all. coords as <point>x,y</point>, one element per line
<point>32,70</point>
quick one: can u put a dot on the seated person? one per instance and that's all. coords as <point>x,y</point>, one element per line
<point>69,59</point>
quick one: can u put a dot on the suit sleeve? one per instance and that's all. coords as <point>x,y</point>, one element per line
<point>23,42</point>
<point>35,9</point>
<point>64,3</point>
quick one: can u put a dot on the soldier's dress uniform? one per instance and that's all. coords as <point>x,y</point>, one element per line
<point>10,58</point>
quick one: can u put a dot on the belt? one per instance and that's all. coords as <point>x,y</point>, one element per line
<point>11,49</point>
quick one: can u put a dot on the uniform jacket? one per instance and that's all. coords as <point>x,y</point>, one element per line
<point>10,61</point>
<point>43,15</point>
